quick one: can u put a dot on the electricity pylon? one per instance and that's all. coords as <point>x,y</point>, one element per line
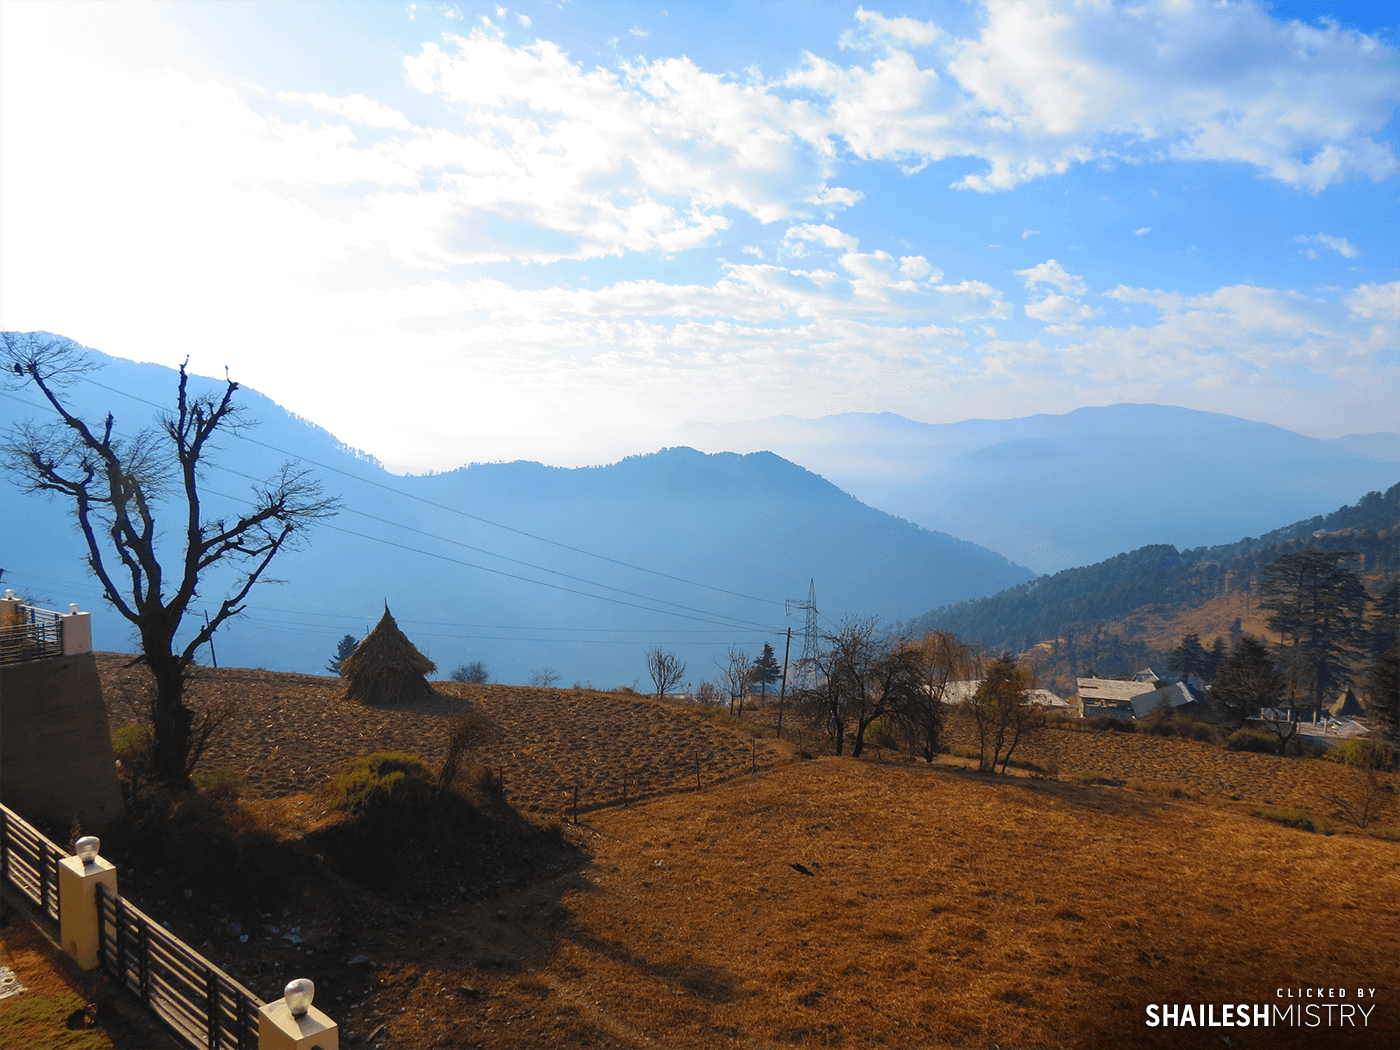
<point>807,662</point>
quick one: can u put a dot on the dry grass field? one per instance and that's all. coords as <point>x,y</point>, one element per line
<point>830,902</point>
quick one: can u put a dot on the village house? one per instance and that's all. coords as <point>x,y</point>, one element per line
<point>1139,698</point>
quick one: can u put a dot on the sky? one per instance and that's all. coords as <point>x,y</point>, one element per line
<point>467,232</point>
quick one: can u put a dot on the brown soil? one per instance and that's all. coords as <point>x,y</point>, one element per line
<point>288,733</point>
<point>938,907</point>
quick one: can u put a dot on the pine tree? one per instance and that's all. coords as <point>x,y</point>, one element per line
<point>1318,606</point>
<point>766,669</point>
<point>343,648</point>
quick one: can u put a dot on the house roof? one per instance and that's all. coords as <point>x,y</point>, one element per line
<point>1176,694</point>
<point>1347,705</point>
<point>957,692</point>
<point>1109,690</point>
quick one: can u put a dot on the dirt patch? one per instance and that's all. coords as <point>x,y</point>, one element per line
<point>288,734</point>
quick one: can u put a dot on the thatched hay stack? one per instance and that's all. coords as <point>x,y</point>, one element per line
<point>386,668</point>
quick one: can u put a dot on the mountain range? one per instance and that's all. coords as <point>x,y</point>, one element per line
<point>520,565</point>
<point>526,566</point>
<point>1057,491</point>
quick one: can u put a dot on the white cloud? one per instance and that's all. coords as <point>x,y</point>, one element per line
<point>1380,301</point>
<point>876,30</point>
<point>1025,234</point>
<point>1059,309</point>
<point>1139,232</point>
<point>1337,244</point>
<point>828,236</point>
<point>1043,87</point>
<point>836,197</point>
<point>1052,273</point>
<point>353,107</point>
<point>749,249</point>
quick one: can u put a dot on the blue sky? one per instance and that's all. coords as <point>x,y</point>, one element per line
<point>474,231</point>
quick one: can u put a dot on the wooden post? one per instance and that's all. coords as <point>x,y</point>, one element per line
<point>782,691</point>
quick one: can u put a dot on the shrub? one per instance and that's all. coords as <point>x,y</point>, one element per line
<point>1362,754</point>
<point>1204,732</point>
<point>1160,727</point>
<point>1092,778</point>
<point>1298,818</point>
<point>387,784</point>
<point>132,746</point>
<point>1111,724</point>
<point>1252,740</point>
<point>219,852</point>
<point>223,787</point>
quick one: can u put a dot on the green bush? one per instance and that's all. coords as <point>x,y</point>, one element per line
<point>1092,778</point>
<point>223,786</point>
<point>1298,818</point>
<point>1109,723</point>
<point>388,785</point>
<point>1160,727</point>
<point>1204,732</point>
<point>1252,740</point>
<point>1363,754</point>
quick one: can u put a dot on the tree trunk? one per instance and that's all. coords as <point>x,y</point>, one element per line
<point>173,723</point>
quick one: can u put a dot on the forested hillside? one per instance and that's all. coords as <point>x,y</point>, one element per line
<point>1159,578</point>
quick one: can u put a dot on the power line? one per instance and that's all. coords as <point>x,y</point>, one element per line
<point>705,617</point>
<point>503,557</point>
<point>456,510</point>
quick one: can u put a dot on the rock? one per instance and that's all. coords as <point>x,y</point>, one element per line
<point>359,960</point>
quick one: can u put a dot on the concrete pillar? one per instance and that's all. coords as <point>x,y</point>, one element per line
<point>77,632</point>
<point>77,905</point>
<point>279,1030</point>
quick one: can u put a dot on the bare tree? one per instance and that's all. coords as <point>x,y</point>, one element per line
<point>736,676</point>
<point>117,485</point>
<point>942,658</point>
<point>665,669</point>
<point>473,672</point>
<point>859,679</point>
<point>544,678</point>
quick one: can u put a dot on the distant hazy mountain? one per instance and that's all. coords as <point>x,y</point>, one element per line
<point>1383,445</point>
<point>1053,491</point>
<point>755,525</point>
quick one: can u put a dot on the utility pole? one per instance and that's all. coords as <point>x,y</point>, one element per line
<point>213,655</point>
<point>782,692</point>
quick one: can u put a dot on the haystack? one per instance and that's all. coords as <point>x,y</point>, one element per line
<point>386,668</point>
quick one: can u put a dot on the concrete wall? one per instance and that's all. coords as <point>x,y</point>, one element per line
<point>56,758</point>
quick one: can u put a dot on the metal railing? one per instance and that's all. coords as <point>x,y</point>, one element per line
<point>205,1006</point>
<point>37,635</point>
<point>30,861</point>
